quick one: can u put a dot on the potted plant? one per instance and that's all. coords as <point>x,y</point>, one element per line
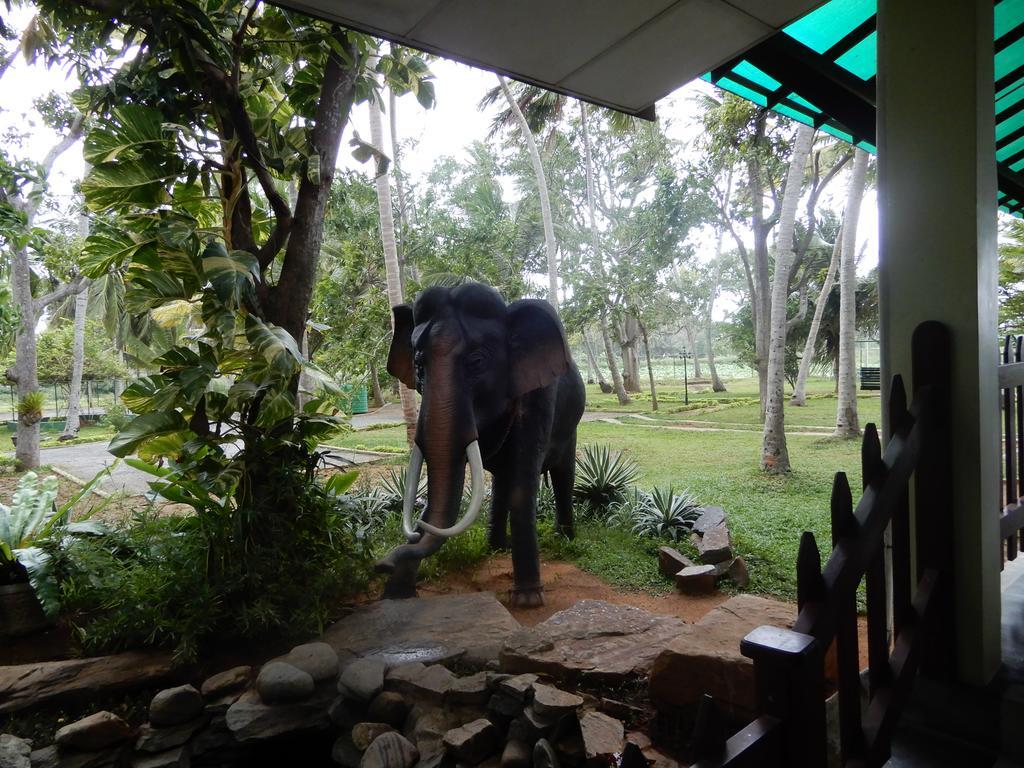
<point>32,517</point>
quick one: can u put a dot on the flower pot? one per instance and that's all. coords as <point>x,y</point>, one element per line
<point>20,611</point>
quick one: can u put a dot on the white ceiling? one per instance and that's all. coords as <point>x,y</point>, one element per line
<point>624,54</point>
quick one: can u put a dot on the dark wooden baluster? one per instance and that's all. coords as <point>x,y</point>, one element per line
<point>845,527</point>
<point>901,584</point>
<point>1009,451</point>
<point>708,740</point>
<point>810,587</point>
<point>876,584</point>
<point>1019,408</point>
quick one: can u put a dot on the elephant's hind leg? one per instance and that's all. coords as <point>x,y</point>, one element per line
<point>563,477</point>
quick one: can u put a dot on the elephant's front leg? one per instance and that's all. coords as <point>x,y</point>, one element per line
<point>527,591</point>
<point>497,525</point>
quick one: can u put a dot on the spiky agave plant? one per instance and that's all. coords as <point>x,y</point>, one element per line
<point>602,479</point>
<point>669,515</point>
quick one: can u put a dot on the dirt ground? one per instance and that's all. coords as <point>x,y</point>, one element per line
<point>114,510</point>
<point>564,584</point>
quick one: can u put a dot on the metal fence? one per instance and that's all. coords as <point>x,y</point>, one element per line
<point>97,396</point>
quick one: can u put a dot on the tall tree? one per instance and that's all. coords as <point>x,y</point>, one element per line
<point>847,424</point>
<point>774,451</point>
<point>799,398</point>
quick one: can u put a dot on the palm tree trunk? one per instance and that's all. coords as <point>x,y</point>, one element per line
<point>542,191</point>
<point>391,267</point>
<point>799,391</point>
<point>774,452</point>
<point>403,210</point>
<point>71,421</point>
<point>650,370</point>
<point>847,424</point>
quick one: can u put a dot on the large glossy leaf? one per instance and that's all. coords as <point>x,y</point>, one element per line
<point>134,182</point>
<point>150,393</point>
<point>129,130</point>
<point>111,248</point>
<point>143,428</point>
<point>274,345</point>
<point>276,406</point>
<point>232,275</point>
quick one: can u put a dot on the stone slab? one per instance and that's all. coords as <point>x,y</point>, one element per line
<point>427,629</point>
<point>594,642</point>
<point>709,518</point>
<point>715,546</point>
<point>250,719</point>
<point>28,685</point>
<point>705,657</point>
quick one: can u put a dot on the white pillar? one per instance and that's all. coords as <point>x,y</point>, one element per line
<point>937,261</point>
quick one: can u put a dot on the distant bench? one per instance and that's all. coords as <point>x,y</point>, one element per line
<point>870,378</point>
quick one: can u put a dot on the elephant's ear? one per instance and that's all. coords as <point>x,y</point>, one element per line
<point>537,348</point>
<point>400,355</point>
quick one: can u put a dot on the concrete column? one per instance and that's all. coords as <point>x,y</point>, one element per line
<point>937,261</point>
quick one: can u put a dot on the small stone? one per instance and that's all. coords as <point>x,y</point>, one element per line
<point>516,754</point>
<point>177,757</point>
<point>363,678</point>
<point>281,682</point>
<point>391,750</point>
<point>473,742</point>
<point>671,561</point>
<point>318,660</point>
<point>388,707</point>
<point>696,580</point>
<point>14,752</point>
<point>710,518</point>
<point>174,706</point>
<point>228,681</point>
<point>152,739</point>
<point>518,687</point>
<point>550,702</point>
<point>344,752</point>
<point>363,734</point>
<point>97,731</point>
<point>715,545</point>
<point>602,737</point>
<point>470,690</point>
<point>739,574</point>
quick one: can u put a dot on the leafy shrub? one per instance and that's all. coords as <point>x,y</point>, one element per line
<point>117,416</point>
<point>666,515</point>
<point>602,480</point>
<point>392,488</point>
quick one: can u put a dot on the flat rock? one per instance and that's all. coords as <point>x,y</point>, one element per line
<point>518,686</point>
<point>473,742</point>
<point>421,682</point>
<point>52,757</point>
<point>710,518</point>
<point>705,657</point>
<point>593,641</point>
<point>228,681</point>
<point>174,706</point>
<point>178,757</point>
<point>318,660</point>
<point>363,734</point>
<point>470,690</point>
<point>363,678</point>
<point>715,545</point>
<point>28,685</point>
<point>250,718</point>
<point>671,561</point>
<point>697,580</point>
<point>280,682</point>
<point>550,702</point>
<point>388,707</point>
<point>154,739</point>
<point>95,732</point>
<point>391,750</point>
<point>428,629</point>
<point>14,752</point>
<point>603,737</point>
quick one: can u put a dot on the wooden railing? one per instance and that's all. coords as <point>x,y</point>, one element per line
<point>908,623</point>
<point>1011,387</point>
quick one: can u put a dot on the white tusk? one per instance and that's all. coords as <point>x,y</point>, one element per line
<point>412,485</point>
<point>476,470</point>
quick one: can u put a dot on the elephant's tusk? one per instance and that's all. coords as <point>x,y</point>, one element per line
<point>476,470</point>
<point>412,485</point>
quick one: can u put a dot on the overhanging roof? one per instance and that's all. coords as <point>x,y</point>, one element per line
<point>623,54</point>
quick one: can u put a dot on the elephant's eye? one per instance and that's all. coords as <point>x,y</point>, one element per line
<point>476,363</point>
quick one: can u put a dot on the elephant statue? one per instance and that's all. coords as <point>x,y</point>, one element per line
<point>500,391</point>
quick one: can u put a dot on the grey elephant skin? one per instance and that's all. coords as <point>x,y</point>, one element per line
<point>501,375</point>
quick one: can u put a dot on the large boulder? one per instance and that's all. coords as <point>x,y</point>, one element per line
<point>705,657</point>
<point>593,642</point>
<point>14,752</point>
<point>95,732</point>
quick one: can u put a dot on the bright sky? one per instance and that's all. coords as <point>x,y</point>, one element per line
<point>448,129</point>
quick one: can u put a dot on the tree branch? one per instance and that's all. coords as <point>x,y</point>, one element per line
<point>73,286</point>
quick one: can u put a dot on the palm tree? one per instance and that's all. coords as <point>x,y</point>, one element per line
<point>387,235</point>
<point>774,453</point>
<point>542,191</point>
<point>847,424</point>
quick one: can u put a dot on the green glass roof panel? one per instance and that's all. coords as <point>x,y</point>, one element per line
<point>862,59</point>
<point>1010,149</point>
<point>820,29</point>
<point>755,75</point>
<point>1010,124</point>
<point>1008,14</point>
<point>797,115</point>
<point>796,98</point>
<point>1009,59</point>
<point>741,90</point>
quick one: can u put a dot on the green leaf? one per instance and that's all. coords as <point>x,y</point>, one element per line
<point>231,275</point>
<point>274,345</point>
<point>129,183</point>
<point>341,482</point>
<point>128,130</point>
<point>143,428</point>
